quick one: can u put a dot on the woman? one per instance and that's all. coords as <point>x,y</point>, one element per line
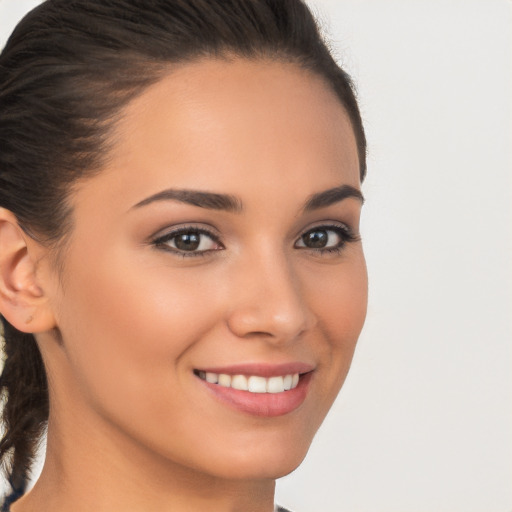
<point>182,278</point>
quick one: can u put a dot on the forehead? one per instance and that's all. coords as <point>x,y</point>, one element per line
<point>227,126</point>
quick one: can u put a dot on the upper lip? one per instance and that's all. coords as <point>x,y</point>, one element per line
<point>260,369</point>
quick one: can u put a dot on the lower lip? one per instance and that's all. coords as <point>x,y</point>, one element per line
<point>263,404</point>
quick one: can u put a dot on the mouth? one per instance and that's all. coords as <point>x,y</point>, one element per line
<point>257,390</point>
<point>251,383</point>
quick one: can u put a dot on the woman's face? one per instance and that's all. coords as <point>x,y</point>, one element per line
<point>218,249</point>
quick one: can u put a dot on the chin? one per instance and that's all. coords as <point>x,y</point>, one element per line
<point>262,461</point>
<point>269,469</point>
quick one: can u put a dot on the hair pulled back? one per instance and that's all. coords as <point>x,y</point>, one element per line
<point>65,73</point>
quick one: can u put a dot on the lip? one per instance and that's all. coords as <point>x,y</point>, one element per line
<point>261,369</point>
<point>268,405</point>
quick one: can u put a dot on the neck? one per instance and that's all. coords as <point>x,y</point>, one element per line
<point>108,472</point>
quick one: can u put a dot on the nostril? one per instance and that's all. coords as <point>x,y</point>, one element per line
<point>269,301</point>
<point>267,322</point>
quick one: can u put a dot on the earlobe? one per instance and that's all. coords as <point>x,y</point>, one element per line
<point>22,300</point>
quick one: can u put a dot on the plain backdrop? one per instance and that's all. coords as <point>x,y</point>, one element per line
<point>424,422</point>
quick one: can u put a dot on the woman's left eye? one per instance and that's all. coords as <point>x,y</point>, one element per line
<point>189,242</point>
<point>326,238</point>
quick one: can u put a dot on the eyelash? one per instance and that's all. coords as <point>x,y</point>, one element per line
<point>345,234</point>
<point>162,242</point>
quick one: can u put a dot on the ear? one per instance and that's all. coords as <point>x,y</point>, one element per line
<point>23,302</point>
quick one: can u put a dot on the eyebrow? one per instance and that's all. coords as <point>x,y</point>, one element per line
<point>210,200</point>
<point>332,196</point>
<point>230,203</point>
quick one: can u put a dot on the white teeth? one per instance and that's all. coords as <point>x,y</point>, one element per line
<point>252,383</point>
<point>212,377</point>
<point>225,380</point>
<point>239,382</point>
<point>257,384</point>
<point>275,385</point>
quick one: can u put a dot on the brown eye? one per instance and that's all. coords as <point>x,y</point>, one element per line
<point>325,238</point>
<point>189,242</point>
<point>316,239</point>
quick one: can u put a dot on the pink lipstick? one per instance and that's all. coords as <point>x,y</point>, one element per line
<point>259,389</point>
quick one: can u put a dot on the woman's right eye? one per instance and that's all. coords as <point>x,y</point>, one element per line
<point>189,242</point>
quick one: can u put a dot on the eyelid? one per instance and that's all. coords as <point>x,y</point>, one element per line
<point>344,231</point>
<point>328,224</point>
<point>169,228</point>
<point>159,240</point>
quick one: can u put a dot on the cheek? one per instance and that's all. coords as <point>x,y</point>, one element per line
<point>339,300</point>
<point>129,328</point>
<point>139,305</point>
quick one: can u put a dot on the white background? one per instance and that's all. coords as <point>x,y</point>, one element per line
<point>424,422</point>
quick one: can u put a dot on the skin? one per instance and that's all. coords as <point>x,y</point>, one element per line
<point>131,427</point>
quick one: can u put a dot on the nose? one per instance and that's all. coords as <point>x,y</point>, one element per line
<point>268,300</point>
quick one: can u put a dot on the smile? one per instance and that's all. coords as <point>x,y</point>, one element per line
<point>252,383</point>
<point>258,389</point>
